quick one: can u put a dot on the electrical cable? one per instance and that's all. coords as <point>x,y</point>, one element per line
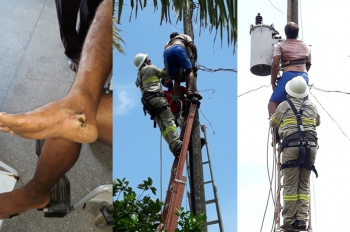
<point>161,169</point>
<point>275,7</point>
<point>254,90</point>
<point>273,175</point>
<point>273,168</point>
<point>206,69</point>
<point>329,115</point>
<point>268,197</point>
<point>176,27</point>
<point>207,121</point>
<point>311,86</point>
<point>328,91</point>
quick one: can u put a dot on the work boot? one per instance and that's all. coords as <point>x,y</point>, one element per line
<point>177,150</point>
<point>288,228</point>
<point>191,91</point>
<point>300,224</point>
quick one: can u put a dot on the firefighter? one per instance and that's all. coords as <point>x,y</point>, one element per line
<point>297,119</point>
<point>176,58</point>
<point>295,58</point>
<point>154,102</point>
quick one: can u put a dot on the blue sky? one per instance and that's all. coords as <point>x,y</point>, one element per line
<point>136,150</point>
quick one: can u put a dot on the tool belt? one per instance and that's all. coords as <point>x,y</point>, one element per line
<point>302,140</point>
<point>286,63</point>
<point>148,108</point>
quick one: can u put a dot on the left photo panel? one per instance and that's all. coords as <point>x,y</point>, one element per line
<point>56,115</point>
<point>175,107</point>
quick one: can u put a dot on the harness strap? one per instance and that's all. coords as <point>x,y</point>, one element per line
<point>303,142</point>
<point>286,63</point>
<point>148,108</point>
<point>295,163</point>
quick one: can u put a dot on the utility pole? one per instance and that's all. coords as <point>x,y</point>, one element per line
<point>195,154</point>
<point>292,11</point>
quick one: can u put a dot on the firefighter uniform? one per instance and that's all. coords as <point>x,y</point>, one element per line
<point>296,179</point>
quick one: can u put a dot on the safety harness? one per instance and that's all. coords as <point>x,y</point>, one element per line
<point>302,140</point>
<point>148,108</point>
<point>286,63</point>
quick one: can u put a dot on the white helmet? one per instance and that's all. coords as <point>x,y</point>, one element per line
<point>297,87</point>
<point>139,59</point>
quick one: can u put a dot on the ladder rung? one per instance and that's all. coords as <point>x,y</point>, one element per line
<point>213,222</point>
<point>210,201</point>
<point>206,162</point>
<point>207,182</point>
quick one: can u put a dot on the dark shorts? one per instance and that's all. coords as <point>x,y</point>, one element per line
<point>279,94</point>
<point>175,58</point>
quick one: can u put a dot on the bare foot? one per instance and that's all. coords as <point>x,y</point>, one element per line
<point>68,118</point>
<point>19,201</point>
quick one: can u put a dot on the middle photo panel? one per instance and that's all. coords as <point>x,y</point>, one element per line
<point>175,107</point>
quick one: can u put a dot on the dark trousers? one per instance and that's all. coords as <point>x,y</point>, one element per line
<point>67,13</point>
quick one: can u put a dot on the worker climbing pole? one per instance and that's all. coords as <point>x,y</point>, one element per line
<point>190,132</point>
<point>294,134</point>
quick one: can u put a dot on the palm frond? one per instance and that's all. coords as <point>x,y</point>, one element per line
<point>117,39</point>
<point>218,15</point>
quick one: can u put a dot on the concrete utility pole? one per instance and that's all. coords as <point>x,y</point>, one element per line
<point>292,11</point>
<point>195,153</point>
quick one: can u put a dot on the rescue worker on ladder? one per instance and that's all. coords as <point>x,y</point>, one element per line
<point>154,102</point>
<point>297,119</point>
<point>295,58</point>
<point>176,58</point>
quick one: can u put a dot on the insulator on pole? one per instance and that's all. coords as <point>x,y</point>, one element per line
<point>258,19</point>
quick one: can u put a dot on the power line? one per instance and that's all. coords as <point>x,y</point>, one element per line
<point>203,68</point>
<point>208,121</point>
<point>311,86</point>
<point>275,7</point>
<point>328,91</point>
<point>329,115</point>
<point>254,90</point>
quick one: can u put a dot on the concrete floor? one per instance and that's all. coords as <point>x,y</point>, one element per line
<point>33,72</point>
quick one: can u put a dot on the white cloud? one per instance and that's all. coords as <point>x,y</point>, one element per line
<point>124,100</point>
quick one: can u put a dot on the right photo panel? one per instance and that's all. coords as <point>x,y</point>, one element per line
<point>293,132</point>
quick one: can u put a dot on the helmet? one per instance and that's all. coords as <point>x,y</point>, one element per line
<point>297,87</point>
<point>139,59</point>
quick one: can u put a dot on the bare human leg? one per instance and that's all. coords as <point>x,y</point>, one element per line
<point>58,157</point>
<point>74,116</point>
<point>177,82</point>
<point>272,107</point>
<point>60,154</point>
<point>104,120</point>
<point>190,85</point>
